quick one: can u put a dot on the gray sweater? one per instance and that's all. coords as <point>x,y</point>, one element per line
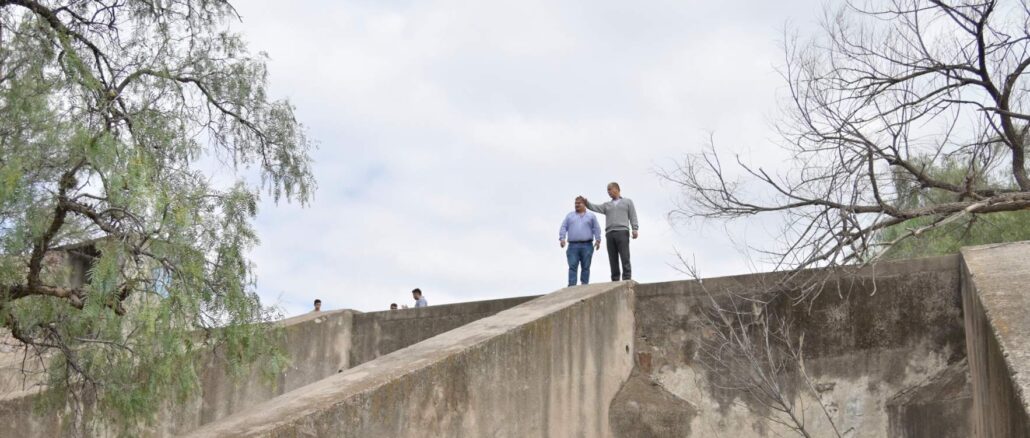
<point>618,216</point>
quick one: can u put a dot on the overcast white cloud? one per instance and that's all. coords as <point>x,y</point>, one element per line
<point>455,135</point>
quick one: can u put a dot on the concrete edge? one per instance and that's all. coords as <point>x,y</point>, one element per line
<point>441,309</point>
<point>367,377</point>
<point>948,262</point>
<point>989,305</point>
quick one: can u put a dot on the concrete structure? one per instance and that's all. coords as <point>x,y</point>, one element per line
<point>941,407</point>
<point>884,355</point>
<point>996,296</point>
<point>319,344</point>
<point>549,367</point>
<point>874,333</point>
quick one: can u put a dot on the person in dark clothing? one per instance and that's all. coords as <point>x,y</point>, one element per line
<point>620,222</point>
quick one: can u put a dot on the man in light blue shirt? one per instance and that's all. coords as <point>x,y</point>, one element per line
<point>584,236</point>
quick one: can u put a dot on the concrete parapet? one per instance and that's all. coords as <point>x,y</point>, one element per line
<point>870,334</point>
<point>996,296</point>
<point>381,333</point>
<point>548,367</point>
<point>319,345</point>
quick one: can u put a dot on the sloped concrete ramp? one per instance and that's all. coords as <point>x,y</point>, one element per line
<point>548,367</point>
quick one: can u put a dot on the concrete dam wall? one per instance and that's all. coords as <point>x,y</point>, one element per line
<point>873,335</point>
<point>931,347</point>
<point>549,367</point>
<point>319,345</point>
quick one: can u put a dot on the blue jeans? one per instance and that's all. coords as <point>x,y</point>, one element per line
<point>579,255</point>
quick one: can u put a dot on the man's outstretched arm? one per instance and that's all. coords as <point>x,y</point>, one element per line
<point>593,207</point>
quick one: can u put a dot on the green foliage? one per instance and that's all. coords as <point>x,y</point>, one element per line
<point>110,119</point>
<point>1008,226</point>
<point>948,238</point>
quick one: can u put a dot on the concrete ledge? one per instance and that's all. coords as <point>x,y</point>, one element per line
<point>996,296</point>
<point>548,367</point>
<point>764,281</point>
<point>319,344</point>
<point>380,333</point>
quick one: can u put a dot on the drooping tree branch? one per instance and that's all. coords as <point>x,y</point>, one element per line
<point>881,101</point>
<point>120,243</point>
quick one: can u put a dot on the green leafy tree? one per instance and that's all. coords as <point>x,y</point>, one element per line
<point>110,110</point>
<point>926,236</point>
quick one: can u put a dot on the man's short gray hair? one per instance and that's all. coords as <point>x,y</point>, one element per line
<point>614,184</point>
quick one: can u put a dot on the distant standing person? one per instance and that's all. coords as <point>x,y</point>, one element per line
<point>318,305</point>
<point>420,301</point>
<point>584,236</point>
<point>620,219</point>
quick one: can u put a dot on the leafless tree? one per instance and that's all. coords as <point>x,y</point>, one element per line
<point>885,92</point>
<point>758,354</point>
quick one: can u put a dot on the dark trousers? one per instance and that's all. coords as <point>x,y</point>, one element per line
<point>618,248</point>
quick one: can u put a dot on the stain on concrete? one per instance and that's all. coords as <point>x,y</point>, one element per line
<point>871,333</point>
<point>643,409</point>
<point>940,407</point>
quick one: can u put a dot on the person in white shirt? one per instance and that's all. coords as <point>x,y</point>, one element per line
<point>420,301</point>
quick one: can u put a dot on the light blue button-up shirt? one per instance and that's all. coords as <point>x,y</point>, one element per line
<point>580,227</point>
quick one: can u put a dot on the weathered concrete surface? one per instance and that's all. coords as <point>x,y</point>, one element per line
<point>18,372</point>
<point>885,329</point>
<point>943,406</point>
<point>643,409</point>
<point>996,294</point>
<point>17,420</point>
<point>884,347</point>
<point>380,333</point>
<point>548,367</point>
<point>319,345</point>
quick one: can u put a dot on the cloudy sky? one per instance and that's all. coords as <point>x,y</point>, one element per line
<point>453,137</point>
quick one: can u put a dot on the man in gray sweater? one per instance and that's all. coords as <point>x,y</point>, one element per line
<point>620,220</point>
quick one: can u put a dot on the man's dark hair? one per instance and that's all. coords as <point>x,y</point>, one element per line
<point>393,306</point>
<point>581,199</point>
<point>416,291</point>
<point>318,301</point>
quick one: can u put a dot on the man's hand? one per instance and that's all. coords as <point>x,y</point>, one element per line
<point>562,243</point>
<point>634,234</point>
<point>597,245</point>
